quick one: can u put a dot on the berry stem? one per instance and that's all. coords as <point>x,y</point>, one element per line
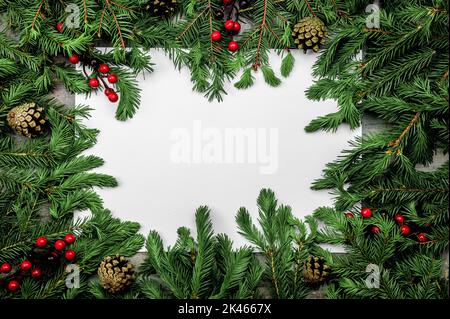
<point>104,83</point>
<point>85,73</point>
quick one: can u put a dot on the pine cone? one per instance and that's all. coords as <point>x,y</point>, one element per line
<point>161,7</point>
<point>309,33</point>
<point>27,119</point>
<point>115,273</point>
<point>315,270</point>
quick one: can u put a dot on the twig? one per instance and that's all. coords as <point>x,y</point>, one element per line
<point>121,6</point>
<point>274,278</point>
<point>405,131</point>
<point>37,14</point>
<point>277,37</point>
<point>210,25</point>
<point>376,30</point>
<point>85,12</point>
<point>190,24</point>
<point>261,30</point>
<point>249,38</point>
<point>101,22</point>
<point>122,42</point>
<point>310,8</point>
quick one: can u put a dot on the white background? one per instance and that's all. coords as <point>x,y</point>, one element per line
<point>163,195</point>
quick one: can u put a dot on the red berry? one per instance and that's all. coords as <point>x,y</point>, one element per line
<point>94,83</point>
<point>229,25</point>
<point>59,26</point>
<point>108,91</point>
<point>60,244</point>
<point>422,237</point>
<point>233,46</point>
<point>366,212</point>
<point>41,241</point>
<point>70,255</point>
<point>399,218</point>
<point>74,59</point>
<point>215,36</point>
<point>375,229</point>
<point>13,285</point>
<point>25,265</point>
<point>236,26</point>
<point>69,238</point>
<point>103,68</point>
<point>405,230</point>
<point>227,1</point>
<point>5,267</point>
<point>113,97</point>
<point>112,78</point>
<point>36,273</point>
<point>349,215</point>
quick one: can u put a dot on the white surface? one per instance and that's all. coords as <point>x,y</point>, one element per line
<point>161,194</point>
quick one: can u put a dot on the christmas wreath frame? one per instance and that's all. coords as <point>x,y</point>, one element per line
<point>402,79</point>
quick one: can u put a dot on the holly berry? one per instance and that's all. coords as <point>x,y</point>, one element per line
<point>60,244</point>
<point>74,59</point>
<point>215,36</point>
<point>399,218</point>
<point>405,230</point>
<point>108,91</point>
<point>243,4</point>
<point>113,97</point>
<point>94,83</point>
<point>366,212</point>
<point>36,272</point>
<point>233,46</point>
<point>25,265</point>
<point>5,267</point>
<point>236,26</point>
<point>349,215</point>
<point>41,241</point>
<point>375,229</point>
<point>229,25</point>
<point>103,68</point>
<point>226,2</point>
<point>69,238</point>
<point>13,285</point>
<point>112,78</point>
<point>422,237</point>
<point>59,26</point>
<point>70,255</point>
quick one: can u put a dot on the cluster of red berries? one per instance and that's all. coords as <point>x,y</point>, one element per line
<point>405,230</point>
<point>35,271</point>
<point>232,26</point>
<point>100,73</point>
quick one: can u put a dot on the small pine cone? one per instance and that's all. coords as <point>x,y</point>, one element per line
<point>315,270</point>
<point>161,7</point>
<point>27,120</point>
<point>309,33</point>
<point>115,273</point>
